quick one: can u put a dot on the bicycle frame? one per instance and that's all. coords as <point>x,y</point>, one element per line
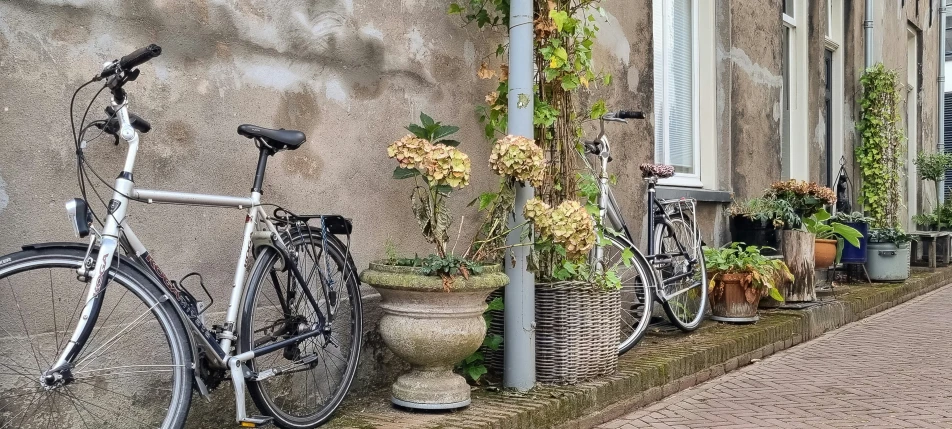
<point>258,229</point>
<point>608,209</point>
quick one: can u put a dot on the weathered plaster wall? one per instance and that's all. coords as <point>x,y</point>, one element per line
<point>756,80</point>
<point>348,73</point>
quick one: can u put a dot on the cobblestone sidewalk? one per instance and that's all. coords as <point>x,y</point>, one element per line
<point>892,370</point>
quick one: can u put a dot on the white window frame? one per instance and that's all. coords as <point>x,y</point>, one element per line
<point>662,15</point>
<point>796,165</point>
<point>833,42</point>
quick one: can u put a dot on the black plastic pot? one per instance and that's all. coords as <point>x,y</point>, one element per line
<point>757,233</point>
<point>853,254</point>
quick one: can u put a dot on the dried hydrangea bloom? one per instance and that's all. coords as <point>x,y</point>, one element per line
<point>446,165</point>
<point>540,214</point>
<point>409,151</point>
<point>520,158</point>
<point>572,227</point>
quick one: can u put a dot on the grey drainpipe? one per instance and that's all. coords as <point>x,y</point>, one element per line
<point>519,330</point>
<point>941,143</point>
<point>868,28</point>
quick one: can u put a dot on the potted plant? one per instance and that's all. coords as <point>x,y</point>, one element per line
<point>433,306</point>
<point>888,254</point>
<point>926,221</point>
<point>860,222</point>
<point>881,157</point>
<point>830,236</point>
<point>739,276</point>
<point>932,166</point>
<point>806,198</point>
<point>757,220</point>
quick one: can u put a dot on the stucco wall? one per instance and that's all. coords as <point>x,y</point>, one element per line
<point>346,72</point>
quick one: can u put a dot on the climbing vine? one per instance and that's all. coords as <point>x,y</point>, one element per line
<point>882,151</point>
<point>564,34</point>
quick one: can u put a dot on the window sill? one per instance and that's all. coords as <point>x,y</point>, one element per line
<point>701,195</point>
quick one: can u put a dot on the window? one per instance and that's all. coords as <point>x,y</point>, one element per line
<point>835,147</point>
<point>794,149</point>
<point>676,90</point>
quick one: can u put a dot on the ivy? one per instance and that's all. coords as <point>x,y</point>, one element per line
<point>564,37</point>
<point>881,154</point>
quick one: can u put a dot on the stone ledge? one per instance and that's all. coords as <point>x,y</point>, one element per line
<point>657,367</point>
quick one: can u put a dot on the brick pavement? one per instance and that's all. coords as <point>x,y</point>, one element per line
<point>892,370</point>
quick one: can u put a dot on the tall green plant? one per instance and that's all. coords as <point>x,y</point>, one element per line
<point>932,166</point>
<point>882,151</point>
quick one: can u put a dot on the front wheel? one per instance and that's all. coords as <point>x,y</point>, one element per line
<point>134,371</point>
<point>683,289</point>
<point>306,381</point>
<point>636,299</point>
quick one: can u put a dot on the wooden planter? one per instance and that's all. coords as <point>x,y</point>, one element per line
<point>733,301</point>
<point>798,253</point>
<point>824,253</point>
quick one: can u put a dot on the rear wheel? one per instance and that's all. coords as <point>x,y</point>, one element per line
<point>635,297</point>
<point>135,370</point>
<point>683,289</point>
<point>311,377</point>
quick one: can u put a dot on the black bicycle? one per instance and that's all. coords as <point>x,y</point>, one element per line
<point>672,272</point>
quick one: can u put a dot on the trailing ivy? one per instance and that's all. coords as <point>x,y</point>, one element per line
<point>882,151</point>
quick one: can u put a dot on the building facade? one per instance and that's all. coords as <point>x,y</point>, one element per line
<point>739,94</point>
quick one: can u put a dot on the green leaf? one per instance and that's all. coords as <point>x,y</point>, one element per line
<point>444,130</point>
<point>427,121</point>
<point>598,110</point>
<point>627,256</point>
<point>559,17</point>
<point>452,143</point>
<point>570,82</point>
<point>455,9</point>
<point>444,189</point>
<point>417,131</point>
<point>486,199</point>
<point>405,173</point>
<point>475,372</point>
<point>496,304</point>
<point>775,294</point>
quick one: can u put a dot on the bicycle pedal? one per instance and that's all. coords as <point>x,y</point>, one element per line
<point>255,421</point>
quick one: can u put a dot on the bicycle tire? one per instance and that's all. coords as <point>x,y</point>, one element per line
<point>109,388</point>
<point>687,309</point>
<point>636,298</point>
<point>261,392</point>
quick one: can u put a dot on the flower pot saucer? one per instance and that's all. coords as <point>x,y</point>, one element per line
<point>735,319</point>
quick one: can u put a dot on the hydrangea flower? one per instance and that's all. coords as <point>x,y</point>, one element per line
<point>520,158</point>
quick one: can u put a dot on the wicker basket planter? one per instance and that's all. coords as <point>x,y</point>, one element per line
<point>577,331</point>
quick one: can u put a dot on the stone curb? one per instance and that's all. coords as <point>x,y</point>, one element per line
<point>660,367</point>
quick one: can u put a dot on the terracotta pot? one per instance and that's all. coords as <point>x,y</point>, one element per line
<point>734,299</point>
<point>824,253</point>
<point>432,329</point>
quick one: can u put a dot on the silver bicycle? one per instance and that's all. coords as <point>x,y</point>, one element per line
<point>97,336</point>
<point>672,273</point>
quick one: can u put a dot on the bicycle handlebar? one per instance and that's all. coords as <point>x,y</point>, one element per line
<point>131,61</point>
<point>630,114</point>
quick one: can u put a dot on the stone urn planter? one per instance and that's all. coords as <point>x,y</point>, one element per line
<point>432,329</point>
<point>824,253</point>
<point>733,301</point>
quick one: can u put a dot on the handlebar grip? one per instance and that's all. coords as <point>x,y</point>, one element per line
<point>139,56</point>
<point>630,114</point>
